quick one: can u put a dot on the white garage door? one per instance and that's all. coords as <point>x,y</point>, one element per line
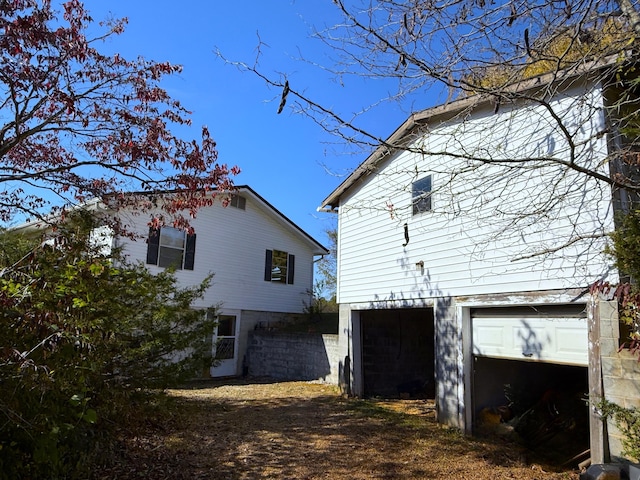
<point>547,337</point>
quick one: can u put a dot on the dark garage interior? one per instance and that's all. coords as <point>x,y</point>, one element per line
<point>542,405</point>
<point>398,353</point>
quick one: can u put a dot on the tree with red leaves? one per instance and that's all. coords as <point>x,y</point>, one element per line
<point>76,124</point>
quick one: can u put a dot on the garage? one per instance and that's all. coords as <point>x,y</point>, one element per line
<point>398,353</point>
<point>530,375</point>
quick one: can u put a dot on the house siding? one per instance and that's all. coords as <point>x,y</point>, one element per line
<point>466,254</point>
<point>231,245</point>
<point>467,248</point>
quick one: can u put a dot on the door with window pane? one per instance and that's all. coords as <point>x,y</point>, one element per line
<point>225,345</point>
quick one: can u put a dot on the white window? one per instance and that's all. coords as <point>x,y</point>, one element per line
<point>279,267</point>
<point>171,251</point>
<point>101,240</point>
<point>421,195</point>
<point>170,247</point>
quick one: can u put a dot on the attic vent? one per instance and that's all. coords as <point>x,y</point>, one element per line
<point>238,201</point>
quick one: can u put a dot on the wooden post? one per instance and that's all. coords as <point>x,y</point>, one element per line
<point>597,426</point>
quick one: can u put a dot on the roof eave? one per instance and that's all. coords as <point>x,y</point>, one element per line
<point>367,167</point>
<point>317,247</point>
<point>331,203</point>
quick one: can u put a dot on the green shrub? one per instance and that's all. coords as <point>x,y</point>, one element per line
<point>625,250</point>
<point>81,335</point>
<point>627,420</point>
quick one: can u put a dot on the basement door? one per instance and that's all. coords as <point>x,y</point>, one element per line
<point>225,345</point>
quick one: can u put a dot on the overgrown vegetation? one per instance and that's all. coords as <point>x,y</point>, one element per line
<point>325,287</point>
<point>553,52</point>
<point>628,422</point>
<point>625,249</point>
<point>84,337</point>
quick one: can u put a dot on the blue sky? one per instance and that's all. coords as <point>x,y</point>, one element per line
<point>286,157</point>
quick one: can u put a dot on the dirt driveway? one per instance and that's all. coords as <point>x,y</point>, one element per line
<point>296,430</point>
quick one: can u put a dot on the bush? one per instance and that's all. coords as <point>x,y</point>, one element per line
<point>81,335</point>
<point>627,420</point>
<point>625,249</point>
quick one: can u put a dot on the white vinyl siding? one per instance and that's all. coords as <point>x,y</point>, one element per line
<point>466,242</point>
<point>231,245</point>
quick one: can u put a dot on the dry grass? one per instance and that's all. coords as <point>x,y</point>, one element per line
<point>297,430</point>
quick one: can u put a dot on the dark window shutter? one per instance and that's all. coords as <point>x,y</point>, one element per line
<point>190,252</point>
<point>153,244</point>
<point>291,267</point>
<point>267,265</point>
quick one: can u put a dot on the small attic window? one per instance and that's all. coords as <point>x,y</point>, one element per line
<point>238,201</point>
<point>421,195</point>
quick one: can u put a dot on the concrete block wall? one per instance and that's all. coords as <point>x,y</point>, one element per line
<point>293,356</point>
<point>252,320</point>
<point>620,372</point>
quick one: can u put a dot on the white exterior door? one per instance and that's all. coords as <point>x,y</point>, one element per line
<point>225,345</point>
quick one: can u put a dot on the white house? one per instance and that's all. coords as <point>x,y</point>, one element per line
<point>467,245</point>
<point>262,265</point>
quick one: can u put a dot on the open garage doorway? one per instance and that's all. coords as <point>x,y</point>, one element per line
<point>398,353</point>
<point>541,405</point>
<point>530,378</point>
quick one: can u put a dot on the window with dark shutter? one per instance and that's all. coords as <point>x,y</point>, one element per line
<point>290,268</point>
<point>170,247</point>
<point>279,267</point>
<point>153,245</point>
<point>267,265</point>
<point>190,252</point>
